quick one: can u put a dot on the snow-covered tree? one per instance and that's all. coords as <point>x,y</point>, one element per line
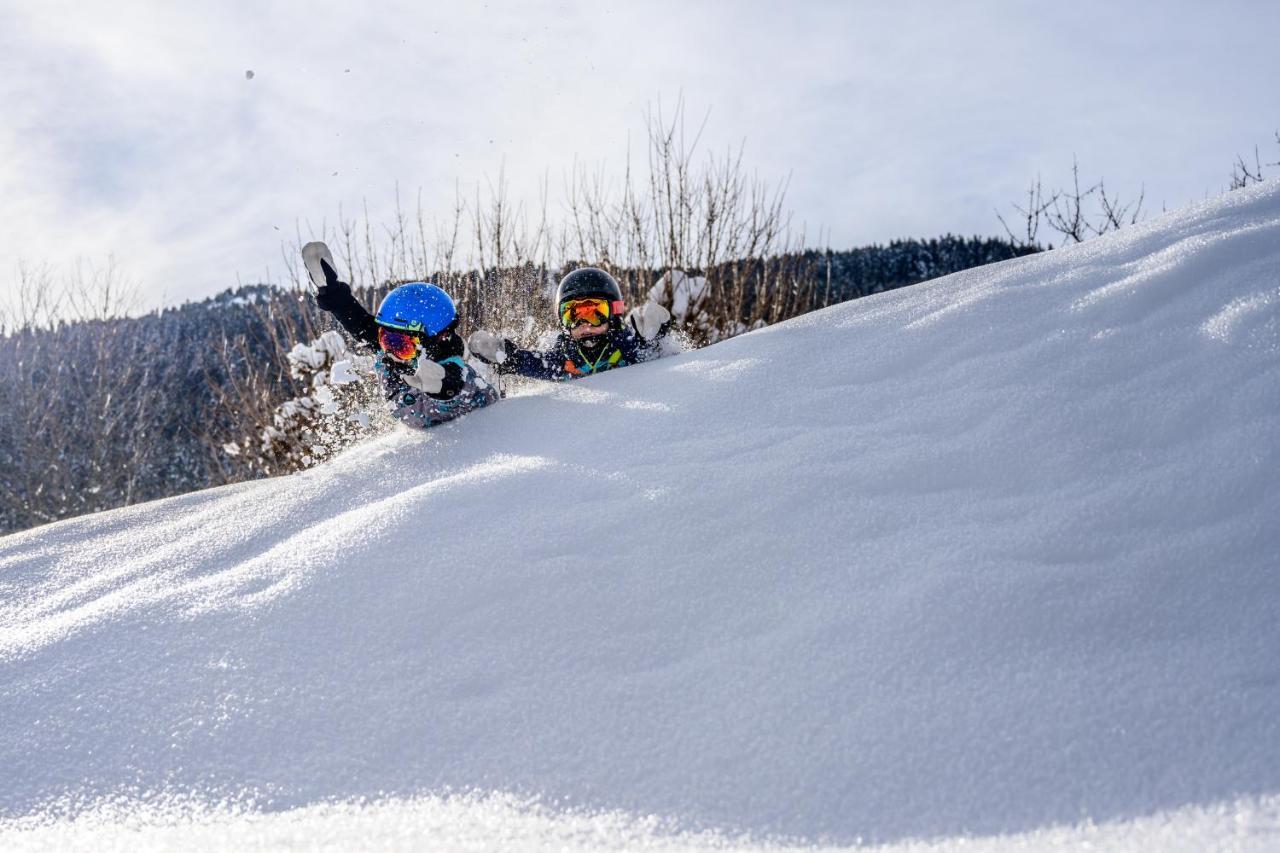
<point>333,412</point>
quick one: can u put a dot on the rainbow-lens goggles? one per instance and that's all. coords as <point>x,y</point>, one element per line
<point>399,345</point>
<point>590,310</point>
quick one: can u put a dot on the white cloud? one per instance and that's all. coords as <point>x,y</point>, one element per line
<point>131,127</point>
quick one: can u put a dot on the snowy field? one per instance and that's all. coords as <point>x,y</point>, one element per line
<point>987,563</point>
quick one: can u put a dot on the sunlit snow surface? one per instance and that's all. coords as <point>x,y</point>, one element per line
<point>991,560</point>
<point>504,823</point>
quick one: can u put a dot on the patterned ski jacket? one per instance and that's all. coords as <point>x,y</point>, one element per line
<point>462,391</point>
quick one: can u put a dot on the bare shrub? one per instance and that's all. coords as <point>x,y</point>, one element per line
<point>1242,174</point>
<point>701,215</point>
<point>1076,213</point>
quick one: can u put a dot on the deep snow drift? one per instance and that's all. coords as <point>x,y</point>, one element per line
<point>990,554</point>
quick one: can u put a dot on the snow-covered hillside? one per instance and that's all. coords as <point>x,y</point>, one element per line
<point>998,554</point>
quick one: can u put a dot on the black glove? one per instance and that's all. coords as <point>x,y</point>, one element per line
<point>334,294</point>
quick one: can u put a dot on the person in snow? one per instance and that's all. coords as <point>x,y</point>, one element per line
<point>595,336</point>
<point>420,354</point>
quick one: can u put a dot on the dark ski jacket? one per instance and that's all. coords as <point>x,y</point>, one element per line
<point>461,390</point>
<point>569,359</point>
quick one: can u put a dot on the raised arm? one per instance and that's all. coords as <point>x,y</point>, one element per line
<point>336,298</point>
<point>508,358</point>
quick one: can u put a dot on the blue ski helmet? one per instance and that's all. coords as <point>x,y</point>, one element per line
<point>417,307</point>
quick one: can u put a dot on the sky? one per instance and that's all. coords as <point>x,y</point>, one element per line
<point>132,132</point>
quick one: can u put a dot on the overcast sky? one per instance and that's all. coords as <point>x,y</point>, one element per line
<point>131,130</point>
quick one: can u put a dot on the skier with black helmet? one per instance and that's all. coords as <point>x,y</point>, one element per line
<point>597,332</point>
<point>420,354</point>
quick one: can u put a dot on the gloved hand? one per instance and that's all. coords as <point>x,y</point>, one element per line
<point>487,346</point>
<point>648,319</point>
<point>428,377</point>
<point>330,292</point>
<point>334,293</point>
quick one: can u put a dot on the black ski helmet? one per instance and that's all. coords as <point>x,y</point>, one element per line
<point>588,281</point>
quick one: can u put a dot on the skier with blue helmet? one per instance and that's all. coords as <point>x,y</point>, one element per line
<point>420,354</point>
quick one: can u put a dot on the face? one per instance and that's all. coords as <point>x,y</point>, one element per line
<point>586,316</point>
<point>585,331</point>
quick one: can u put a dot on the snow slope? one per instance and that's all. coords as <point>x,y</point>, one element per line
<point>995,554</point>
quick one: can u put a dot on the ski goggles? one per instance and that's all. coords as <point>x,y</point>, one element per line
<point>592,310</point>
<point>397,344</point>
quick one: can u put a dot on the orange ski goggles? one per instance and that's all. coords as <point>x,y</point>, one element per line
<point>591,310</point>
<point>397,344</point>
